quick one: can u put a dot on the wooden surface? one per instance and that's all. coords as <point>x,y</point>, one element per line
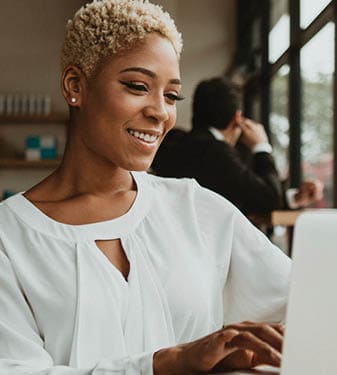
<point>285,218</point>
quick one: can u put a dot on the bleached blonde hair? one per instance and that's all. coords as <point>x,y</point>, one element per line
<point>106,27</point>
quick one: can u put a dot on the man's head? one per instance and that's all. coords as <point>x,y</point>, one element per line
<point>216,102</point>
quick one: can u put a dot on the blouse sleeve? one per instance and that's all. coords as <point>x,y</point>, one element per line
<point>22,348</point>
<point>255,274</point>
<point>258,276</point>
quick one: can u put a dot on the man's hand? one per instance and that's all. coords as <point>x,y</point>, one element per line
<point>252,133</point>
<point>309,192</point>
<point>238,346</point>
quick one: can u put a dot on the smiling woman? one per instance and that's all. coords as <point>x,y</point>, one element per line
<point>131,102</point>
<point>105,269</point>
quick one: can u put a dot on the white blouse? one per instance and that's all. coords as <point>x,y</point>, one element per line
<point>196,263</point>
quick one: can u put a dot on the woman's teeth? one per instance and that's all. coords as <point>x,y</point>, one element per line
<point>144,137</point>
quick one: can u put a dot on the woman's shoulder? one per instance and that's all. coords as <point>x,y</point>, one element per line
<point>11,210</point>
<point>9,218</point>
<point>171,186</point>
<point>188,191</point>
<point>5,206</point>
<point>171,183</point>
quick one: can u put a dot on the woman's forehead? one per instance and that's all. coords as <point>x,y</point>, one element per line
<point>155,54</point>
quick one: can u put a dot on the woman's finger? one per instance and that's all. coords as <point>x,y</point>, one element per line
<point>270,333</point>
<point>238,360</point>
<point>263,352</point>
<point>203,354</point>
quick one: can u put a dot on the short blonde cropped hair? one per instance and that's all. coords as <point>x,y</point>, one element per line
<point>106,27</point>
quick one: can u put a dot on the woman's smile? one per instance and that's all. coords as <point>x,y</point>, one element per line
<point>146,141</point>
<point>145,136</point>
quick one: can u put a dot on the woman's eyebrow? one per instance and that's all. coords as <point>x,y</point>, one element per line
<point>149,73</point>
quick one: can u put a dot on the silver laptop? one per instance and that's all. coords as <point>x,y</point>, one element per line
<point>310,342</point>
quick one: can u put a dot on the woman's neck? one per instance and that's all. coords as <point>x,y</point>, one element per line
<point>82,173</point>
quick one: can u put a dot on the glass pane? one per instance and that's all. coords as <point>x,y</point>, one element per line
<point>317,68</point>
<point>279,124</point>
<point>279,35</point>
<point>310,9</point>
<point>279,132</point>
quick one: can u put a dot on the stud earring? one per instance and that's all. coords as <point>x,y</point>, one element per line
<point>73,100</point>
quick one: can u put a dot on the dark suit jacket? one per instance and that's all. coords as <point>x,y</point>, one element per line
<point>216,165</point>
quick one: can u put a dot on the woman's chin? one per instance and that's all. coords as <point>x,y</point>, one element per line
<point>139,166</point>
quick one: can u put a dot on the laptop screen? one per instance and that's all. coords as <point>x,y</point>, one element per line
<point>310,344</point>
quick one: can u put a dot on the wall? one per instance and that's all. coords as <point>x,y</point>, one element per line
<point>31,38</point>
<point>31,34</point>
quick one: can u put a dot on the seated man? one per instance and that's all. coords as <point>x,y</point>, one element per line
<point>208,154</point>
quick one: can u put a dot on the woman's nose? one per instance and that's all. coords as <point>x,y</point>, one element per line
<point>157,110</point>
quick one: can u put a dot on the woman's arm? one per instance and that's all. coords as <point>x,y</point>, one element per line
<point>22,347</point>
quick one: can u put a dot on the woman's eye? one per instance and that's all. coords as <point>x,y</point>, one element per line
<point>134,86</point>
<point>174,97</point>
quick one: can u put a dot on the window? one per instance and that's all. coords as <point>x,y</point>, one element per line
<point>279,36</point>
<point>279,123</point>
<point>317,68</point>
<point>296,84</point>
<point>310,9</point>
<point>304,68</point>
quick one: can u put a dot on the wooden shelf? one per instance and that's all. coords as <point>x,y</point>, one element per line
<point>26,164</point>
<point>53,118</point>
<point>9,162</point>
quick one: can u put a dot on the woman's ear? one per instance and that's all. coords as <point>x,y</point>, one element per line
<point>73,86</point>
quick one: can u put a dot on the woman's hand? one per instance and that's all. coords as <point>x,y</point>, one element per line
<point>237,346</point>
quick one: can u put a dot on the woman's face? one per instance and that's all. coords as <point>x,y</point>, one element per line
<point>131,104</point>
